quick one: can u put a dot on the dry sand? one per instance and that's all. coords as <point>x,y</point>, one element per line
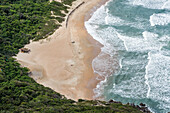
<point>59,63</point>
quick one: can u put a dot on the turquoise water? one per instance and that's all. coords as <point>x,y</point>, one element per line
<point>134,64</point>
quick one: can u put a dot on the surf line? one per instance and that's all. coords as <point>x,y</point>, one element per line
<point>72,13</point>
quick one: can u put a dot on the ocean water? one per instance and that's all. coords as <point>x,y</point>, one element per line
<point>134,64</point>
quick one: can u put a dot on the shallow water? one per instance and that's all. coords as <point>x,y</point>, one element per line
<point>136,39</point>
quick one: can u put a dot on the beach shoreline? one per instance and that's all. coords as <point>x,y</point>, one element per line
<point>63,61</point>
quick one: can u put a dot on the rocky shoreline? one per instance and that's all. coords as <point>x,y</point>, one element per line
<point>142,107</point>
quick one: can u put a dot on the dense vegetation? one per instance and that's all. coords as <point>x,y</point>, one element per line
<point>67,2</point>
<point>21,21</point>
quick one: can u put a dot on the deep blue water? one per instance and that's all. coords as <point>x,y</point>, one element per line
<point>135,59</point>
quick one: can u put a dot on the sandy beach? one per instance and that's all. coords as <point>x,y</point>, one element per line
<point>63,60</point>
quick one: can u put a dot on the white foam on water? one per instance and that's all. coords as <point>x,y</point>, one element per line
<point>104,64</point>
<point>98,16</point>
<point>106,18</point>
<point>160,19</point>
<point>164,51</point>
<point>117,21</point>
<point>147,43</point>
<point>146,75</point>
<point>152,4</point>
<point>112,20</point>
<point>120,63</point>
<point>158,77</point>
<point>157,62</point>
<point>154,84</point>
<point>166,5</point>
<point>149,36</point>
<point>123,39</point>
<point>105,36</point>
<point>97,19</point>
<point>164,38</point>
<point>114,85</point>
<point>99,88</point>
<point>139,24</point>
<point>130,88</point>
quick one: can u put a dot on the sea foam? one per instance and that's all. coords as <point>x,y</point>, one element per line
<point>138,48</point>
<point>104,64</point>
<point>160,19</point>
<point>153,4</point>
<point>166,5</point>
<point>148,42</point>
<point>158,78</point>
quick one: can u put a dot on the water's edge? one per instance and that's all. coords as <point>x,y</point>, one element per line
<point>134,60</point>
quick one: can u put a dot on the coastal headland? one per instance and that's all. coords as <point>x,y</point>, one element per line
<point>63,60</point>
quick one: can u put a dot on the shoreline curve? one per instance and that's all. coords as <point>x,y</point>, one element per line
<point>66,56</point>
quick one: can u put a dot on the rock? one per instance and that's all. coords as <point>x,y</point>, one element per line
<point>73,42</point>
<point>25,50</point>
<point>128,103</point>
<point>141,104</point>
<point>111,101</point>
<point>132,104</point>
<point>137,106</point>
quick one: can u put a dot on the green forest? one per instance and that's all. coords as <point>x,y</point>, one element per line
<point>20,22</point>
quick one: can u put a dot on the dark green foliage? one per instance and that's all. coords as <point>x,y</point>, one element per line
<point>68,2</point>
<point>20,21</point>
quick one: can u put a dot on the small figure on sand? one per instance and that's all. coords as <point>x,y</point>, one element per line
<point>25,50</point>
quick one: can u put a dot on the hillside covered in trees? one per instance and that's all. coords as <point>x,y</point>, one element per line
<point>21,21</point>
